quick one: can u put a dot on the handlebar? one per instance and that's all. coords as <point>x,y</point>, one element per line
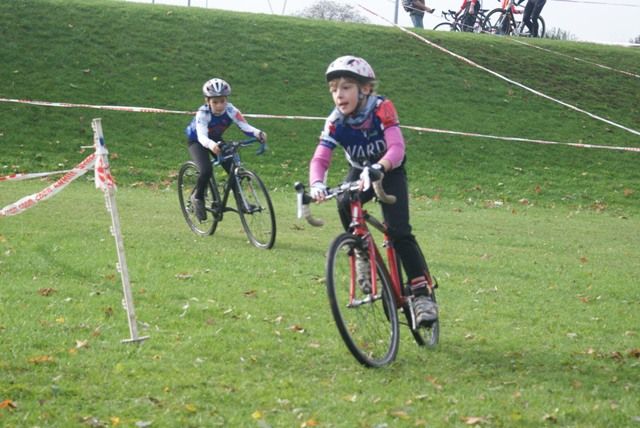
<point>229,148</point>
<point>304,199</point>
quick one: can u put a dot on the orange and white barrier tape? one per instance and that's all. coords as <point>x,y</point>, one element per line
<point>31,200</point>
<point>294,117</point>
<point>522,140</point>
<point>29,176</point>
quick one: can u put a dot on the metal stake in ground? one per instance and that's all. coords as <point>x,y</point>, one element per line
<point>105,182</point>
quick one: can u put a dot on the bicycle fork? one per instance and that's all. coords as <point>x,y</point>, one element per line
<point>372,295</point>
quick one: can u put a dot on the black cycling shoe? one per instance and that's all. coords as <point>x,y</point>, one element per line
<point>198,207</point>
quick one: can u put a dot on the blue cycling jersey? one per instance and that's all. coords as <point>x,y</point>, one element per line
<point>207,127</point>
<point>364,142</point>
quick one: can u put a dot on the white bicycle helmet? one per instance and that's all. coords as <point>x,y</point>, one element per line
<point>216,88</point>
<point>350,66</point>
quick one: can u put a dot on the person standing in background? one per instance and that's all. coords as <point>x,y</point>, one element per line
<point>531,13</point>
<point>416,9</point>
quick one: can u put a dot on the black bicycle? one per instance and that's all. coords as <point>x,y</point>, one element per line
<point>502,21</point>
<point>455,21</point>
<point>252,200</point>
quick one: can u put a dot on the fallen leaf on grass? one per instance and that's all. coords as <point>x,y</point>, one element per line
<point>8,404</point>
<point>635,353</point>
<point>434,382</point>
<point>93,422</point>
<point>400,414</point>
<point>310,423</point>
<point>46,291</point>
<point>42,359</point>
<point>350,398</point>
<point>296,328</point>
<point>82,344</point>
<point>250,293</point>
<point>616,355</point>
<point>474,420</point>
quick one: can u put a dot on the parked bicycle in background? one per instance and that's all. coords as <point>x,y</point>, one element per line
<point>462,20</point>
<point>505,21</point>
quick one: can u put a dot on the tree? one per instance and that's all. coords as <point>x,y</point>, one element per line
<point>332,11</point>
<point>636,40</point>
<point>559,34</point>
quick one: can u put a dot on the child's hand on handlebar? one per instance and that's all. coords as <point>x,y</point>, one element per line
<point>370,174</point>
<point>318,191</point>
<point>262,137</point>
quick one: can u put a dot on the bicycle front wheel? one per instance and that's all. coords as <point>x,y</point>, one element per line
<point>445,26</point>
<point>368,324</point>
<point>497,22</point>
<point>187,180</point>
<point>255,209</point>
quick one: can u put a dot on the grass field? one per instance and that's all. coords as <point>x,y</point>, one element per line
<point>539,320</point>
<point>535,246</point>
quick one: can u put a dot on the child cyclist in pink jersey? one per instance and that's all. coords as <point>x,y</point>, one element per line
<point>204,134</point>
<point>366,126</point>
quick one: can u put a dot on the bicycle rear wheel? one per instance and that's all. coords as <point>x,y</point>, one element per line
<point>523,30</point>
<point>424,336</point>
<point>368,324</point>
<point>255,209</point>
<point>187,179</point>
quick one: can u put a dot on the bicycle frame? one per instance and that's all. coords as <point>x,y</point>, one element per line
<point>385,277</point>
<point>231,153</point>
<point>360,219</point>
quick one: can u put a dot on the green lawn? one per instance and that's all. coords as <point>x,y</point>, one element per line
<point>535,246</point>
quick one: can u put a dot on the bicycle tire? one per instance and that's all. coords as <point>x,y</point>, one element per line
<point>541,27</point>
<point>255,209</point>
<point>523,30</point>
<point>478,23</point>
<point>495,24</point>
<point>445,26</point>
<point>423,336</point>
<point>370,328</point>
<point>187,179</point>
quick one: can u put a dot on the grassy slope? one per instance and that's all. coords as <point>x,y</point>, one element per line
<point>128,54</point>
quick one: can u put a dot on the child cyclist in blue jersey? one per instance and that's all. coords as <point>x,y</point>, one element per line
<point>204,134</point>
<point>366,126</point>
